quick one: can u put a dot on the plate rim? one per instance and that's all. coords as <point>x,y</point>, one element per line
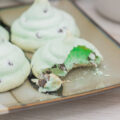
<point>62,99</point>
<point>72,97</point>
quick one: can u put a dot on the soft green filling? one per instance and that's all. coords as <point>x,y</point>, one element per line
<point>79,55</point>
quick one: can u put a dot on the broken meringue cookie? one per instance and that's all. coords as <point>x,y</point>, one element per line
<point>48,83</point>
<point>59,57</point>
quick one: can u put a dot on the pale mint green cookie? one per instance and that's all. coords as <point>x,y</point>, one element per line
<point>40,24</point>
<point>59,57</point>
<point>4,36</point>
<point>14,67</point>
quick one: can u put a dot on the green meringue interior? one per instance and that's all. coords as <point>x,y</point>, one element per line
<point>78,56</point>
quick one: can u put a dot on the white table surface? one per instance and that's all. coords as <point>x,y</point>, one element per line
<point>101,107</point>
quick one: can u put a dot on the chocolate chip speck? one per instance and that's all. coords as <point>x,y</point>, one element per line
<point>62,67</point>
<point>60,30</point>
<point>55,66</point>
<point>48,72</point>
<point>42,83</point>
<point>38,35</point>
<point>45,11</point>
<point>10,63</point>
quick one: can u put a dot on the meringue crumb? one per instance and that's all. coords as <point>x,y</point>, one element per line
<point>98,72</point>
<point>107,75</point>
<point>66,81</point>
<point>35,81</point>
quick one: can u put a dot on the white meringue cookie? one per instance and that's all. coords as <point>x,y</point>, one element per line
<point>41,23</point>
<point>59,57</point>
<point>56,52</point>
<point>14,67</point>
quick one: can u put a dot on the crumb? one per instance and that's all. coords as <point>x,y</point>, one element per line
<point>66,81</point>
<point>98,72</point>
<point>105,67</point>
<point>106,75</point>
<point>92,56</point>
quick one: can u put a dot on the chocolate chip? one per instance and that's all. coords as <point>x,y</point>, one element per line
<point>45,11</point>
<point>48,72</point>
<point>60,30</point>
<point>10,63</point>
<point>42,83</point>
<point>62,67</point>
<point>55,66</point>
<point>38,35</point>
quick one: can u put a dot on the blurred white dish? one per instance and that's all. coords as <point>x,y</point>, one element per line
<point>109,9</point>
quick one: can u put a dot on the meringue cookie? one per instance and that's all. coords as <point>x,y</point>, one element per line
<point>14,67</point>
<point>4,36</point>
<point>59,57</point>
<point>42,23</point>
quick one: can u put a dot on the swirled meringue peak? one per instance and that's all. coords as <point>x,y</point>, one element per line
<point>14,67</point>
<point>59,57</point>
<point>42,23</point>
<point>4,36</point>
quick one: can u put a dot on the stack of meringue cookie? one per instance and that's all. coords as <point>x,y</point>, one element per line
<point>53,38</point>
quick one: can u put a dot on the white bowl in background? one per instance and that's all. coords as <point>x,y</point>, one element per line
<point>109,9</point>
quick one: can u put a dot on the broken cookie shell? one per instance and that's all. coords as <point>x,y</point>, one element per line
<point>61,56</point>
<point>49,83</point>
